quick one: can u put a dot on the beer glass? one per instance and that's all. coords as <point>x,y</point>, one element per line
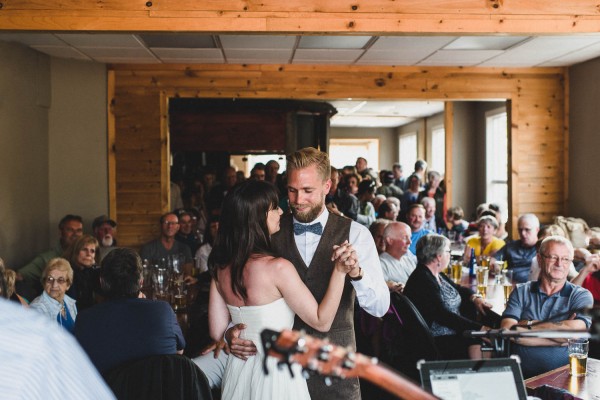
<point>507,284</point>
<point>482,280</point>
<point>457,271</point>
<point>578,354</point>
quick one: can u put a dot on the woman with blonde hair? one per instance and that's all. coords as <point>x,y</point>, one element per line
<point>54,302</point>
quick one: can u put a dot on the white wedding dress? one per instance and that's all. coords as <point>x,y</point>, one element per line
<point>246,379</point>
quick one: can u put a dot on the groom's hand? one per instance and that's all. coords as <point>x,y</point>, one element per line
<point>240,348</point>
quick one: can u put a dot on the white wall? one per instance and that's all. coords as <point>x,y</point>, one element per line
<point>24,100</point>
<point>53,142</point>
<point>78,174</point>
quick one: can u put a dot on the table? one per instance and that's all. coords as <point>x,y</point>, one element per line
<point>494,295</point>
<point>584,387</point>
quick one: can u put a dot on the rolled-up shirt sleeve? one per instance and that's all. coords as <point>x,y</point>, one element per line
<point>372,292</point>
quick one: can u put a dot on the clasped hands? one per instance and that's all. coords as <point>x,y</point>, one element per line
<point>345,259</point>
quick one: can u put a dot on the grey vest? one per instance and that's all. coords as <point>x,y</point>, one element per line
<point>316,277</point>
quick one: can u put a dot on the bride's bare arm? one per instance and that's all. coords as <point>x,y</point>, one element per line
<point>301,300</point>
<point>218,314</point>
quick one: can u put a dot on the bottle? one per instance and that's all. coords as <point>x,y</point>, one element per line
<point>472,264</point>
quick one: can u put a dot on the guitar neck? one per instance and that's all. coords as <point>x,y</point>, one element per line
<point>391,381</point>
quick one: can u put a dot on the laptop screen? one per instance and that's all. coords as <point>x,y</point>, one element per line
<point>498,378</point>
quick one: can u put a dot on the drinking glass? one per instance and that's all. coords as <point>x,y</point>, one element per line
<point>482,280</point>
<point>578,354</point>
<point>507,284</point>
<point>457,271</point>
<point>160,280</point>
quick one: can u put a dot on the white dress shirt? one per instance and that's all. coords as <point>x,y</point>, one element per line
<point>371,291</point>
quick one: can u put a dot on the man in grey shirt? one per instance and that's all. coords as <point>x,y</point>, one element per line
<point>551,303</point>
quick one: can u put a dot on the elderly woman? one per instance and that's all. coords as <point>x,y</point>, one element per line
<point>54,302</point>
<point>486,244</point>
<point>440,301</point>
<point>84,257</point>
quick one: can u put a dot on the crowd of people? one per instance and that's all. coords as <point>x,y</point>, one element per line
<point>299,250</point>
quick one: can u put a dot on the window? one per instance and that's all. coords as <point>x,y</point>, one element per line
<point>344,152</point>
<point>407,149</point>
<point>497,159</point>
<point>438,149</point>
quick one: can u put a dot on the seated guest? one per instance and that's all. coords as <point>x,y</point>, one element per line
<point>126,327</point>
<point>366,211</point>
<point>550,303</point>
<point>105,232</point>
<point>589,276</point>
<point>377,228</point>
<point>11,292</point>
<point>411,194</point>
<point>186,234</point>
<point>546,231</point>
<point>209,240</point>
<point>440,301</point>
<point>54,302</point>
<point>432,222</point>
<point>84,256</point>
<point>456,222</point>
<point>339,201</point>
<point>397,262</point>
<point>435,190</point>
<point>519,253</point>
<point>415,217</point>
<point>486,244</point>
<point>70,228</point>
<point>501,232</point>
<point>165,246</point>
<point>388,210</point>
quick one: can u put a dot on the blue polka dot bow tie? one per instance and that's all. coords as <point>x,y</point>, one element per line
<point>315,228</point>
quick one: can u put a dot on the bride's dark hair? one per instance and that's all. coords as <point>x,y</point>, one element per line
<point>243,230</point>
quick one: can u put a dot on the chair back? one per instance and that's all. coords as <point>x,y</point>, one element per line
<point>411,340</point>
<point>159,377</point>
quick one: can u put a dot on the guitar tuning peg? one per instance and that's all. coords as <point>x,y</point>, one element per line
<point>328,381</point>
<point>349,360</point>
<point>324,352</point>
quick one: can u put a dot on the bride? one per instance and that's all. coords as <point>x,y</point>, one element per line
<point>253,286</point>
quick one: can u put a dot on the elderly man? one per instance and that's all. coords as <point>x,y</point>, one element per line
<point>105,231</point>
<point>126,327</point>
<point>519,253</point>
<point>397,262</point>
<point>432,222</point>
<point>166,246</point>
<point>551,303</point>
<point>415,216</point>
<point>71,229</point>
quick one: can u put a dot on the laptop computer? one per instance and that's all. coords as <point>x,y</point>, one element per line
<point>497,378</point>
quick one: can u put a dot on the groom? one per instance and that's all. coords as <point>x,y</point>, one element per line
<point>307,238</point>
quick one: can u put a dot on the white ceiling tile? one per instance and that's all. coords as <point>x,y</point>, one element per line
<point>126,60</point>
<point>327,55</point>
<point>542,49</point>
<point>62,52</point>
<point>257,42</point>
<point>178,41</point>
<point>191,54</point>
<point>254,55</point>
<point>174,60</point>
<point>369,122</point>
<point>459,57</point>
<point>333,42</point>
<point>99,40</point>
<point>403,56</point>
<point>32,39</point>
<point>484,42</point>
<point>575,57</point>
<point>116,52</point>
<point>428,43</point>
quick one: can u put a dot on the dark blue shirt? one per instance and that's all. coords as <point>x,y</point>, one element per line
<point>519,259</point>
<point>117,331</point>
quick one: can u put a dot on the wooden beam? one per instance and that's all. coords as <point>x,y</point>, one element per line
<point>305,16</point>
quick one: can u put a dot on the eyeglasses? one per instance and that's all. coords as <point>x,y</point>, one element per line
<point>170,223</point>
<point>556,259</point>
<point>50,280</point>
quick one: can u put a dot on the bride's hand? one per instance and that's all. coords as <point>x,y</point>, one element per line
<point>344,257</point>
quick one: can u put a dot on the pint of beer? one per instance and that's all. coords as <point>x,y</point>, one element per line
<point>482,280</point>
<point>456,271</point>
<point>578,354</point>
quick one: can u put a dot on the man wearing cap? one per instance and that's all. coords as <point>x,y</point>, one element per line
<point>105,231</point>
<point>388,188</point>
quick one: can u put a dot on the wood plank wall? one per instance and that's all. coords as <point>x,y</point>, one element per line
<point>537,141</point>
